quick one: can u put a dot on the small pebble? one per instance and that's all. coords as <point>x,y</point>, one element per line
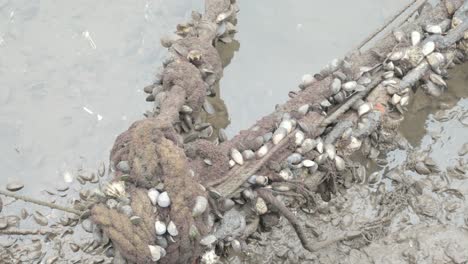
<point>3,223</point>
<point>52,259</point>
<point>136,220</point>
<point>14,186</point>
<point>40,219</point>
<point>62,187</point>
<point>24,213</point>
<point>74,247</point>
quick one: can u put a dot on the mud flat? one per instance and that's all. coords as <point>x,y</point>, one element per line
<point>179,191</point>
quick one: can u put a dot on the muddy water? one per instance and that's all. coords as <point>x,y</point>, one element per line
<point>71,78</point>
<point>422,123</point>
<point>282,40</point>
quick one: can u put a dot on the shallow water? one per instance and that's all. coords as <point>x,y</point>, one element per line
<point>71,79</point>
<point>282,40</point>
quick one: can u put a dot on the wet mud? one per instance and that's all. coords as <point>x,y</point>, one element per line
<point>411,212</point>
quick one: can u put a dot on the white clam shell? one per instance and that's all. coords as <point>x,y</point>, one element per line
<point>397,55</point>
<point>303,109</point>
<point>404,100</point>
<point>237,156</point>
<point>325,103</point>
<point>172,229</point>
<point>395,99</point>
<point>299,138</point>
<point>164,200</point>
<point>349,86</point>
<point>236,245</point>
<point>437,79</point>
<point>335,86</point>
<point>248,194</point>
<point>434,29</point>
<point>153,195</point>
<point>330,150</point>
<point>248,154</point>
<point>279,135</point>
<point>306,146</point>
<point>294,158</point>
<point>286,174</point>
<point>428,48</point>
<point>389,82</point>
<point>307,79</point>
<point>209,257</point>
<point>223,16</point>
<point>308,163</point>
<point>354,144</point>
<point>156,252</point>
<point>261,180</point>
<point>388,74</point>
<point>231,163</point>
<point>201,203</point>
<point>321,158</point>
<point>160,228</point>
<point>415,38</point>
<point>319,145</point>
<point>287,124</point>
<point>340,163</point>
<point>399,35</point>
<point>435,59</point>
<point>364,108</point>
<point>262,151</point>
